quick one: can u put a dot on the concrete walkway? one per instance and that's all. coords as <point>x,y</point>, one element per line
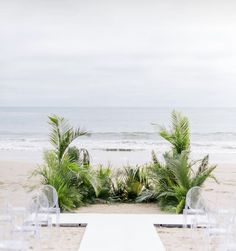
<point>120,232</point>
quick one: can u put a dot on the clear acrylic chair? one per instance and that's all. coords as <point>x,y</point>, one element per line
<point>52,196</point>
<point>194,211</point>
<point>43,217</point>
<point>230,243</point>
<point>34,216</point>
<point>25,219</point>
<point>7,238</point>
<point>219,225</point>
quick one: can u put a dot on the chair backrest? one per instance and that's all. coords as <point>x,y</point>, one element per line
<point>36,203</point>
<point>42,202</point>
<point>194,198</point>
<point>51,194</point>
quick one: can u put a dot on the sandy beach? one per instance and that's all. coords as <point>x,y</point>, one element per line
<point>16,181</point>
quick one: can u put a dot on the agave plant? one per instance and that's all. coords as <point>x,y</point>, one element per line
<point>104,181</point>
<point>135,180</point>
<point>118,192</point>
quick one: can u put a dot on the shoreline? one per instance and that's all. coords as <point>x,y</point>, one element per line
<point>114,159</point>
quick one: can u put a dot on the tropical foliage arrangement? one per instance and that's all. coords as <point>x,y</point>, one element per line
<point>68,169</point>
<point>171,180</point>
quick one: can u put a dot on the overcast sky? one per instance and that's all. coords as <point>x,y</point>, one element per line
<point>117,53</point>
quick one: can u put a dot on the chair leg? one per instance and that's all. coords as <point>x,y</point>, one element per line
<point>58,217</point>
<point>185,218</point>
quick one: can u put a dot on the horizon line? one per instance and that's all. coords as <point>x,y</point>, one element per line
<point>72,106</point>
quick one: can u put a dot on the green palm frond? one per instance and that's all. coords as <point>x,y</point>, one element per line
<point>154,158</point>
<point>171,180</point>
<point>62,134</point>
<point>59,175</point>
<point>179,135</point>
<point>65,168</point>
<point>180,168</point>
<point>200,178</point>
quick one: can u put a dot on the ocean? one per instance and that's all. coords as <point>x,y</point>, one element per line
<point>120,132</point>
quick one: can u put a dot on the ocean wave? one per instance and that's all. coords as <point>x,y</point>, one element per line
<point>124,135</point>
<point>155,136</point>
<point>129,134</point>
<point>118,149</point>
<point>213,134</point>
<point>230,147</point>
<point>22,134</point>
<point>23,139</point>
<point>130,141</point>
<point>202,144</point>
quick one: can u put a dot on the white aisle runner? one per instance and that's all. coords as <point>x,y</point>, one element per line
<point>121,233</point>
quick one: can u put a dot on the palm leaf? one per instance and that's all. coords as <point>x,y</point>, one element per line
<point>179,135</point>
<point>62,134</point>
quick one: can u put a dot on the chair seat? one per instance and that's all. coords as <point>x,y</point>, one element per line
<point>13,245</point>
<point>217,231</point>
<point>194,211</point>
